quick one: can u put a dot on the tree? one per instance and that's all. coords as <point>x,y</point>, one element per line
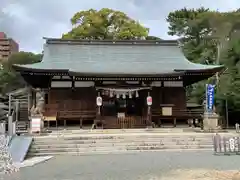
<point>9,79</point>
<point>183,23</point>
<point>179,24</point>
<point>200,31</point>
<point>24,58</point>
<point>153,38</point>
<point>105,24</point>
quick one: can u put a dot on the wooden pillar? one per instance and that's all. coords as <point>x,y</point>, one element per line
<point>65,123</point>
<point>29,100</point>
<point>149,118</point>
<point>81,123</point>
<point>174,122</point>
<point>99,109</point>
<point>159,122</point>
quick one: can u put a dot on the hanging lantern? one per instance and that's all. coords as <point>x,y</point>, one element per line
<point>130,95</point>
<point>149,100</point>
<point>99,101</point>
<point>137,95</point>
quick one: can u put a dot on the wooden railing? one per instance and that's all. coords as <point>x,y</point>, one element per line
<point>112,122</point>
<point>76,114</point>
<point>132,122</point>
<point>180,113</point>
<point>58,111</point>
<point>73,105</point>
<point>51,110</point>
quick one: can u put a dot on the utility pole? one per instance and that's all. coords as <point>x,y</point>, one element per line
<point>218,59</point>
<point>219,45</point>
<point>226,107</point>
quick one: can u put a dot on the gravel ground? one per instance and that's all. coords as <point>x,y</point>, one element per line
<point>138,166</point>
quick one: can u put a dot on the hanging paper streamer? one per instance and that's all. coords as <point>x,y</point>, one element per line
<point>122,91</point>
<point>124,96</point>
<point>137,95</point>
<point>130,95</point>
<point>117,95</point>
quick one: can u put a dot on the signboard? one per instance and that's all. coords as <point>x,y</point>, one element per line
<point>149,100</point>
<point>209,97</point>
<point>36,124</point>
<point>99,101</point>
<point>167,111</point>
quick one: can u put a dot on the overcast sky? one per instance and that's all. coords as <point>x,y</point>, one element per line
<point>27,21</point>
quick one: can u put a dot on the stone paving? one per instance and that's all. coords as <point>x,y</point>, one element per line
<point>138,166</point>
<point>6,163</point>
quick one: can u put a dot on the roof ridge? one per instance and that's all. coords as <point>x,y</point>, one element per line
<point>111,42</point>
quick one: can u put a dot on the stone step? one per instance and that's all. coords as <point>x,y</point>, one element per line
<point>124,134</point>
<point>125,141</point>
<point>43,146</point>
<point>138,130</point>
<point>118,148</point>
<point>121,141</point>
<point>121,137</point>
<point>30,154</point>
<point>69,144</point>
<point>125,131</point>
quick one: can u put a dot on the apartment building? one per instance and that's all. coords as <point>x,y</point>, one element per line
<point>7,46</point>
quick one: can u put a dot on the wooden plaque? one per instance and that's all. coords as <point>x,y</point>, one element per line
<point>167,111</point>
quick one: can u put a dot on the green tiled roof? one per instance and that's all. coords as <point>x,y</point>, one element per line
<point>120,57</point>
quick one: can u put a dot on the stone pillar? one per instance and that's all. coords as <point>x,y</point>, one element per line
<point>10,126</point>
<point>2,128</point>
<point>30,99</point>
<point>210,121</point>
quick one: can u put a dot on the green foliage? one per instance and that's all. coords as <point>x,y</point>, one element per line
<point>201,30</point>
<point>24,58</point>
<point>179,23</point>
<point>9,79</point>
<point>153,38</point>
<point>105,24</point>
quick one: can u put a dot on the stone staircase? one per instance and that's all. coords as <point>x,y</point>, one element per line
<point>80,144</point>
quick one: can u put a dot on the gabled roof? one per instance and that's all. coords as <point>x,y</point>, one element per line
<point>103,57</point>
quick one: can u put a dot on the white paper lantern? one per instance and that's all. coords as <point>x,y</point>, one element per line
<point>99,101</point>
<point>149,100</point>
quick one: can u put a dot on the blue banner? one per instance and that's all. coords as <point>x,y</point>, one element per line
<point>210,97</point>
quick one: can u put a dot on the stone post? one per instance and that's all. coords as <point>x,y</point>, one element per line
<point>37,111</point>
<point>210,121</point>
<point>10,126</point>
<point>2,128</point>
